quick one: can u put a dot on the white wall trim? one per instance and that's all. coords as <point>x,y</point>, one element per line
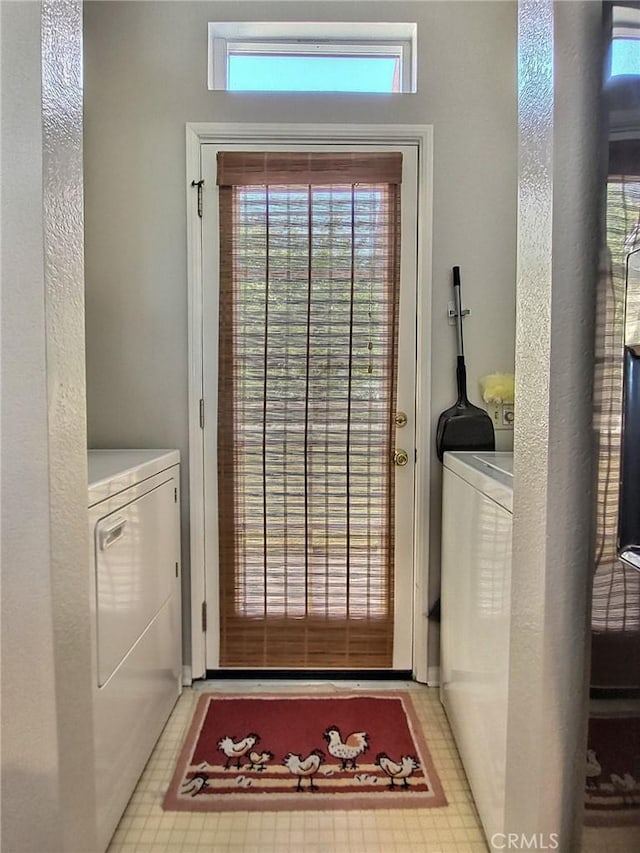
<point>346,134</point>
<point>423,409</point>
<point>196,450</point>
<point>420,136</point>
<point>433,676</point>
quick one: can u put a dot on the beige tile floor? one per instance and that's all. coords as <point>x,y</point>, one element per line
<point>451,829</point>
<point>613,839</point>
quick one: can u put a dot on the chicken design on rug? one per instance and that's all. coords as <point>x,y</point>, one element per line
<point>287,752</point>
<point>347,751</point>
<point>612,784</point>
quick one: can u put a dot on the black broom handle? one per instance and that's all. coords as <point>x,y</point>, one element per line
<point>461,370</point>
<point>458,306</point>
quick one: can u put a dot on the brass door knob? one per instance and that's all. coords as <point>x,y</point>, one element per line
<point>400,457</point>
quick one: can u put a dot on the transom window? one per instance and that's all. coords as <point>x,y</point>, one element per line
<point>312,57</point>
<point>625,41</point>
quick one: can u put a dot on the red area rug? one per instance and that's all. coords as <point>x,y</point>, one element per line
<point>270,752</point>
<point>612,792</point>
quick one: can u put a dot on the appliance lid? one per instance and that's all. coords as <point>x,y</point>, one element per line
<point>113,471</point>
<point>489,472</point>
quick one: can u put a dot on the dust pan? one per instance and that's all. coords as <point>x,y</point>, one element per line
<point>463,426</point>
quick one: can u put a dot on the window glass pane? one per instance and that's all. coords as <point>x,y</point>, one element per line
<point>253,73</point>
<point>625,56</point>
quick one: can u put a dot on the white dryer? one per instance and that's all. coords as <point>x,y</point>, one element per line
<point>134,525</point>
<point>475,620</point>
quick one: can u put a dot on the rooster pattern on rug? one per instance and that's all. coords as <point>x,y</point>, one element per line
<point>311,752</point>
<point>345,750</point>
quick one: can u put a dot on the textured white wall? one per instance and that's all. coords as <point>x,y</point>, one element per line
<point>29,731</point>
<point>559,103</point>
<point>63,219</point>
<point>145,77</point>
<point>47,760</point>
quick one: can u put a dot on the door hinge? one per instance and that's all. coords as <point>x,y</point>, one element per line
<point>201,414</point>
<point>177,570</point>
<point>175,496</point>
<point>204,615</point>
<point>198,185</point>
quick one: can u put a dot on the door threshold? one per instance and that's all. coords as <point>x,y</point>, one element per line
<point>307,674</point>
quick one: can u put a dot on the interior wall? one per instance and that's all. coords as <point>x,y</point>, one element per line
<point>29,724</point>
<point>560,61</point>
<point>146,76</point>
<point>63,229</point>
<point>48,800</point>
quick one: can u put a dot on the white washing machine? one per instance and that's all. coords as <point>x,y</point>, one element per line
<point>134,525</point>
<point>475,620</point>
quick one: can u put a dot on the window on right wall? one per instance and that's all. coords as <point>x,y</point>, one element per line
<point>625,41</point>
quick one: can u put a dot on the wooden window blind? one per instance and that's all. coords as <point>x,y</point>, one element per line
<point>309,281</point>
<point>616,589</point>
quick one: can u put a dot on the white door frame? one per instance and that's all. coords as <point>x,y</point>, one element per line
<point>420,136</point>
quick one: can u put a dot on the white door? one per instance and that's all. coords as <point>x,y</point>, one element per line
<point>265,589</point>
